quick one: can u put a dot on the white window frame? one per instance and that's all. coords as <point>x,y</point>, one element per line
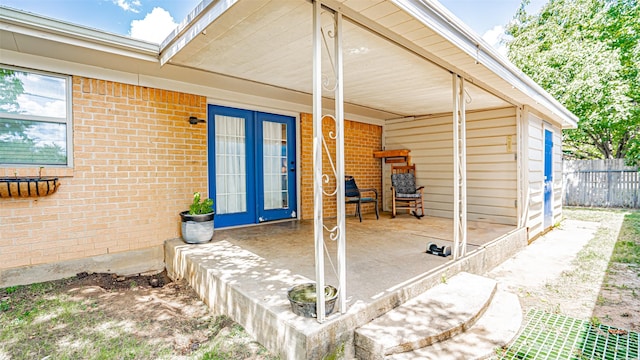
<point>68,120</point>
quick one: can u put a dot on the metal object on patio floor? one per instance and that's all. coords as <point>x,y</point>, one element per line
<point>434,249</point>
<point>303,299</point>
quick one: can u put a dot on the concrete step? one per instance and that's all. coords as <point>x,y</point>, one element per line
<point>497,327</point>
<point>436,315</point>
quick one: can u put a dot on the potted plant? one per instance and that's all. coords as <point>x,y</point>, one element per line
<point>197,222</point>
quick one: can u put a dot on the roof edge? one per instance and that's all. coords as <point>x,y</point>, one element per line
<point>193,25</point>
<point>443,22</point>
<point>27,23</point>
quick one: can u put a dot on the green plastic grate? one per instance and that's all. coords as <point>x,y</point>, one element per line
<point>553,336</point>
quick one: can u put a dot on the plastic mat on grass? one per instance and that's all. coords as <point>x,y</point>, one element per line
<point>554,336</point>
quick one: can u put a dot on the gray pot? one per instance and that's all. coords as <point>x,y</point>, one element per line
<point>303,299</point>
<point>197,229</point>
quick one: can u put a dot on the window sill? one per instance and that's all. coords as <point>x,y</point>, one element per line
<point>30,171</point>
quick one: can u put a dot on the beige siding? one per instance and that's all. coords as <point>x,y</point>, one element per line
<point>535,183</point>
<point>491,163</point>
<point>557,175</point>
<point>535,175</point>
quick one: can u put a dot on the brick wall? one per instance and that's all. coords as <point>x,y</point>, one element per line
<point>137,162</point>
<point>361,140</point>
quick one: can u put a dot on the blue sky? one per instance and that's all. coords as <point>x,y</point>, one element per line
<point>153,19</point>
<point>156,17</point>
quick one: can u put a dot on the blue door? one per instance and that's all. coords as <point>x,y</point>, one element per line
<point>548,179</point>
<point>252,166</point>
<point>276,167</point>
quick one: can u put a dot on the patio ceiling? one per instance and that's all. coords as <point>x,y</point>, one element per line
<point>398,56</point>
<point>270,42</point>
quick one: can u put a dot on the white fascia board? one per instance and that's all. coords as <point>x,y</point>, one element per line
<point>51,29</point>
<point>439,19</point>
<point>198,20</point>
<point>66,67</point>
<point>219,90</point>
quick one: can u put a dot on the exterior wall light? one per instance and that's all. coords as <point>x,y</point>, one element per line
<point>194,120</point>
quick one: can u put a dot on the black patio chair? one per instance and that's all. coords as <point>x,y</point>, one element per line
<point>353,195</point>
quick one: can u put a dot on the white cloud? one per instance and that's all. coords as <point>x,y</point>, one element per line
<point>495,37</point>
<point>128,5</point>
<point>155,26</point>
<point>35,106</point>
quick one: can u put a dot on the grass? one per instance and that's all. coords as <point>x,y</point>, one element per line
<point>589,264</point>
<point>46,320</point>
<point>42,322</point>
<point>625,255</point>
<point>627,249</point>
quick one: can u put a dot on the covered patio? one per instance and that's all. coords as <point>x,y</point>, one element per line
<point>379,62</point>
<point>246,272</point>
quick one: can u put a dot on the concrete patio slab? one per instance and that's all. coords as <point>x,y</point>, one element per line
<point>246,272</point>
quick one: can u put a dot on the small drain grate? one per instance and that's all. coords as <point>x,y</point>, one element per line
<point>552,336</point>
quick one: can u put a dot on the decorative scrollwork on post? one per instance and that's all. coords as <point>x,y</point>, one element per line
<point>329,81</point>
<point>327,37</point>
<point>327,177</point>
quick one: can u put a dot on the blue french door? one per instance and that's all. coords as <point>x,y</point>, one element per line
<point>252,166</point>
<point>548,179</point>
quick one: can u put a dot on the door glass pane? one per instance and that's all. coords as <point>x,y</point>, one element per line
<point>231,173</point>
<point>275,173</point>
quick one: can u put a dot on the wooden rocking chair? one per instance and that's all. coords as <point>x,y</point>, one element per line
<point>406,195</point>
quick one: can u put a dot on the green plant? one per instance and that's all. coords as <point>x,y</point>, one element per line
<point>337,353</point>
<point>11,289</point>
<point>4,305</point>
<point>200,206</point>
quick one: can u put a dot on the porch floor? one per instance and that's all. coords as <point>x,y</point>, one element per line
<point>381,255</point>
<point>245,272</point>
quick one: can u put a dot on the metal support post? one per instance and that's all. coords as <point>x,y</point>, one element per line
<point>337,232</point>
<point>318,231</point>
<point>459,169</point>
<point>339,109</point>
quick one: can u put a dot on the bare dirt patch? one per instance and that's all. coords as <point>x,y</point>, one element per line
<point>170,311</point>
<point>618,303</point>
<point>108,316</point>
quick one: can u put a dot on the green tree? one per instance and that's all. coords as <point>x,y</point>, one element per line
<point>586,54</point>
<point>10,88</point>
<point>16,146</point>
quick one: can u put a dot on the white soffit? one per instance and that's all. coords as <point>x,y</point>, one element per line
<point>490,67</point>
<point>270,42</point>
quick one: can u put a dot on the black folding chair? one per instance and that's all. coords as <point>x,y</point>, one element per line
<point>353,195</point>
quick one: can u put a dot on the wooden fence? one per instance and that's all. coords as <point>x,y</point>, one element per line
<point>600,183</point>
